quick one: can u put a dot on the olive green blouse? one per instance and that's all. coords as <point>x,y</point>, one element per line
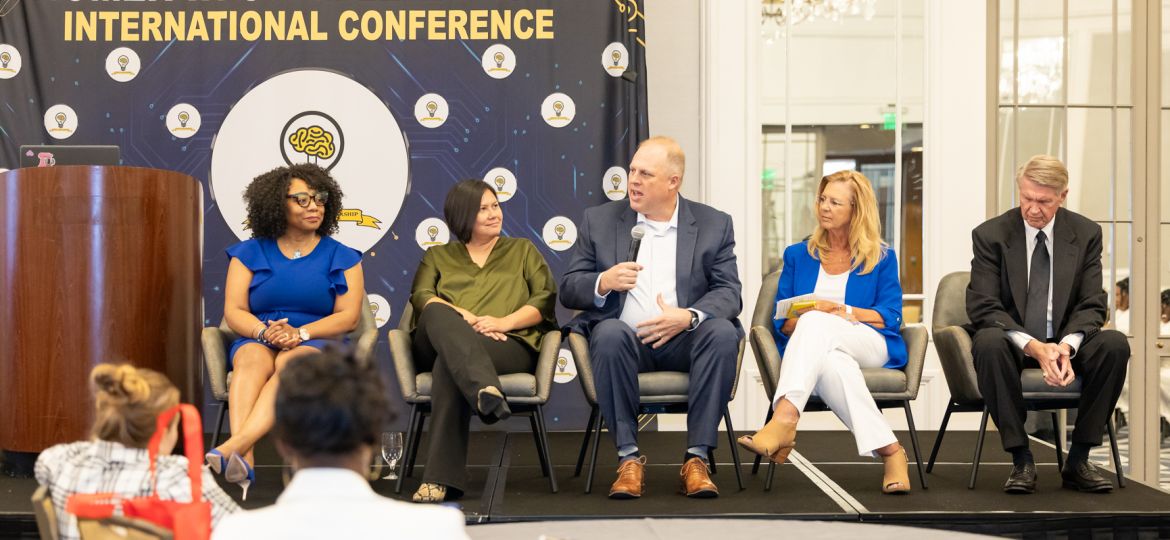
<point>513,276</point>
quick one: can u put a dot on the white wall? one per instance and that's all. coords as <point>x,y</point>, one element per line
<point>726,96</point>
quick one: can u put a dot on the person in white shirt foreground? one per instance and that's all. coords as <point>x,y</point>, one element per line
<point>330,409</point>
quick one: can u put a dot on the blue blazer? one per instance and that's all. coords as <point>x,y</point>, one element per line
<point>878,290</point>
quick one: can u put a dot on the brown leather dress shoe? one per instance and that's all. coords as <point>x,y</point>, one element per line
<point>630,480</point>
<point>695,480</point>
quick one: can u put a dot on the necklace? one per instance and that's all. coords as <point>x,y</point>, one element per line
<point>297,253</point>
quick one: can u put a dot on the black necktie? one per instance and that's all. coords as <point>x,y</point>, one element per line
<point>1036,314</point>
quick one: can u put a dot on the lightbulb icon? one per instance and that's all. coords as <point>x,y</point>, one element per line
<point>5,58</point>
<point>616,181</point>
<point>431,108</point>
<point>499,58</point>
<point>562,362</point>
<point>184,117</point>
<point>499,182</point>
<point>560,230</point>
<point>432,232</point>
<point>123,61</point>
<point>616,56</point>
<point>60,118</point>
<point>558,107</point>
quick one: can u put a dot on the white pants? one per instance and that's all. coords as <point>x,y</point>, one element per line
<point>824,357</point>
<point>1164,408</point>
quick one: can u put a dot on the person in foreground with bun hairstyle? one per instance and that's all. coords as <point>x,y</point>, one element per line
<point>129,401</point>
<point>330,409</point>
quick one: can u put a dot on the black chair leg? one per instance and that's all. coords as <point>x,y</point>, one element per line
<point>942,430</point>
<point>542,436</point>
<point>407,446</point>
<point>540,454</point>
<point>914,443</point>
<point>218,424</point>
<point>418,432</point>
<point>593,455</point>
<point>585,442</point>
<point>978,448</point>
<point>759,458</point>
<point>1057,436</point>
<point>771,475</point>
<point>732,448</point>
<point>1116,454</point>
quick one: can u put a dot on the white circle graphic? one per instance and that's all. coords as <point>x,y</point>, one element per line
<point>60,121</point>
<point>431,110</point>
<point>9,61</point>
<point>122,64</point>
<point>503,181</point>
<point>183,120</point>
<point>566,367</point>
<point>361,145</point>
<point>498,61</point>
<point>615,59</point>
<point>558,110</point>
<point>380,308</point>
<point>613,183</point>
<point>431,232</point>
<point>560,233</point>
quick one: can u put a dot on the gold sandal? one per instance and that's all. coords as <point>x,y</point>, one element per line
<point>785,437</point>
<point>896,480</point>
<point>430,492</point>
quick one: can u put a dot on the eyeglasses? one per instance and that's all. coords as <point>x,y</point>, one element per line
<point>302,198</point>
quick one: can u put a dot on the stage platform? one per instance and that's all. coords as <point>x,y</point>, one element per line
<point>824,481</point>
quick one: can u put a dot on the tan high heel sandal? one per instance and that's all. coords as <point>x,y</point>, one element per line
<point>776,443</point>
<point>430,493</point>
<point>896,480</point>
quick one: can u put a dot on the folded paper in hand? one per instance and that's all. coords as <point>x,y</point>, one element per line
<point>791,307</point>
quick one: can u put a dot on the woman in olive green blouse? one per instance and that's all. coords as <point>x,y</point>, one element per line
<point>481,306</point>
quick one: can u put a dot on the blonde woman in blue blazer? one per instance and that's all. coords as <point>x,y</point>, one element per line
<point>854,324</point>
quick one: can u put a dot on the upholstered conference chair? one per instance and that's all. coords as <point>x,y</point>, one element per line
<point>217,342</point>
<point>526,394</point>
<point>954,351</point>
<point>661,392</point>
<point>889,387</point>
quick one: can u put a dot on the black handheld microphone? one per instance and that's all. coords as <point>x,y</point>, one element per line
<point>636,234</point>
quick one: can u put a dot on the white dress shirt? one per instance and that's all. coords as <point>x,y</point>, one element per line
<point>1021,339</point>
<point>658,255</point>
<point>338,503</point>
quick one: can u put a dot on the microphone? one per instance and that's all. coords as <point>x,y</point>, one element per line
<point>636,234</point>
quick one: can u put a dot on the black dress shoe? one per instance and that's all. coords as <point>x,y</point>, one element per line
<point>1022,480</point>
<point>1083,476</point>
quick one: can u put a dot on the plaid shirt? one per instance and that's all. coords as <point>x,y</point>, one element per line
<point>109,467</point>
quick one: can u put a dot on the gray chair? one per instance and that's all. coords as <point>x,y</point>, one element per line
<point>954,352</point>
<point>46,514</point>
<point>889,387</point>
<point>217,343</point>
<point>526,394</point>
<point>660,392</point>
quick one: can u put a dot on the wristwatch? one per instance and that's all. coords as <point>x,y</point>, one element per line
<point>304,333</point>
<point>694,320</point>
<point>848,309</point>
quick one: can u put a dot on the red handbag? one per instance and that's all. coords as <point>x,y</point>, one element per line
<point>188,520</point>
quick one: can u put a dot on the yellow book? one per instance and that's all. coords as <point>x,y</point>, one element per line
<point>796,307</point>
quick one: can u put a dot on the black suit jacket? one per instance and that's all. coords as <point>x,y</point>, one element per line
<point>705,269</point>
<point>999,275</point>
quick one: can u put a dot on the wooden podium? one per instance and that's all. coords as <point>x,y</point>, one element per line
<point>97,264</point>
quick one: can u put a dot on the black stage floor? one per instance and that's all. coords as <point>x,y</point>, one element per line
<point>824,480</point>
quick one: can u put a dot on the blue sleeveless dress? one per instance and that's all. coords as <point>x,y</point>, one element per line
<point>303,290</point>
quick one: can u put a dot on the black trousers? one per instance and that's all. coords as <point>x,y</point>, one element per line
<point>708,354</point>
<point>1100,364</point>
<point>461,362</point>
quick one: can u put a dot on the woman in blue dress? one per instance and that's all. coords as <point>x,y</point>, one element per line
<point>289,290</point>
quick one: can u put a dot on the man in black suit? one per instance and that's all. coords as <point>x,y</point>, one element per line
<point>1036,300</point>
<point>673,308</point>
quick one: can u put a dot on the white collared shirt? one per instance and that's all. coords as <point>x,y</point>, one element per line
<point>1021,339</point>
<point>324,502</point>
<point>658,255</point>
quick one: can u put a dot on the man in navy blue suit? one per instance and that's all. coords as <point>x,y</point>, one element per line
<point>674,308</point>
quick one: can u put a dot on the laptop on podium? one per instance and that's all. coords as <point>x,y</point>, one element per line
<point>41,155</point>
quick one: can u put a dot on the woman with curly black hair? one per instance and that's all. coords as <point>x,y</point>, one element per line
<point>289,290</point>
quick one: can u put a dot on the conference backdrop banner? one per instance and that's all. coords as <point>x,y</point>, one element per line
<point>399,100</point>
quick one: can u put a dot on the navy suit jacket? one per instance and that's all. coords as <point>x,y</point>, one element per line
<point>878,290</point>
<point>706,274</point>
